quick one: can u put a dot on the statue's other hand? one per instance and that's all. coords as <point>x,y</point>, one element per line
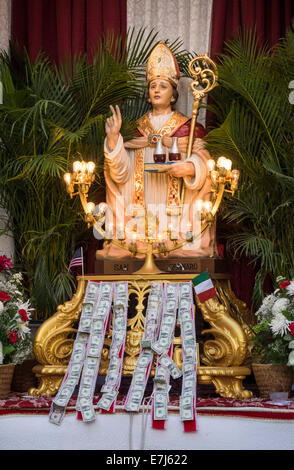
<point>181,169</point>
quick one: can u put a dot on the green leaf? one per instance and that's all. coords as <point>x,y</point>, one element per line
<point>8,349</point>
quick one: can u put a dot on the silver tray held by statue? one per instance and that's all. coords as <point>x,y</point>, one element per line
<point>155,167</point>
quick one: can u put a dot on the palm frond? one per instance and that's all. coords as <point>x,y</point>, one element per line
<point>255,129</point>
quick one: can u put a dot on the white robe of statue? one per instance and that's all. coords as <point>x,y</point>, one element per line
<point>119,178</point>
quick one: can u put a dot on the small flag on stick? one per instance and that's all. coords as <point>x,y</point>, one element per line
<point>77,259</point>
<point>204,287</point>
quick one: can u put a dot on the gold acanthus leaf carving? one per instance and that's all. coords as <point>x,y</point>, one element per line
<point>230,345</point>
<point>55,348</point>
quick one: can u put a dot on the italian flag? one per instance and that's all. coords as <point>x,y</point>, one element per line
<point>203,286</point>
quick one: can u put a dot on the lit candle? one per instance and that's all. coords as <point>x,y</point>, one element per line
<point>228,164</point>
<point>77,166</point>
<point>109,232</point>
<point>211,164</point>
<point>234,182</point>
<point>90,207</point>
<point>213,176</point>
<point>221,163</point>
<point>90,167</point>
<point>102,208</point>
<point>189,234</point>
<point>236,175</point>
<point>207,206</point>
<point>199,204</point>
<point>173,233</point>
<point>83,167</point>
<point>67,178</point>
<point>120,233</point>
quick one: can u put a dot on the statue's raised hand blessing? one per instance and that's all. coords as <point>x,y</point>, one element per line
<point>112,127</point>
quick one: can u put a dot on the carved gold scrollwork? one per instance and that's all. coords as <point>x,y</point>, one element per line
<point>229,346</point>
<point>215,351</point>
<point>52,344</point>
<point>50,378</point>
<point>204,72</point>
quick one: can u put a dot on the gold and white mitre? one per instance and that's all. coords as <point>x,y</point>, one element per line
<point>162,64</point>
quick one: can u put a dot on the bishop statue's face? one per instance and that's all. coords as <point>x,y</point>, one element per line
<point>160,93</point>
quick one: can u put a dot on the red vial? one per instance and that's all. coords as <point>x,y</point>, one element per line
<point>159,154</point>
<point>174,153</point>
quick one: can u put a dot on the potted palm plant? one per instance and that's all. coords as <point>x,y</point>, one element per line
<point>255,129</point>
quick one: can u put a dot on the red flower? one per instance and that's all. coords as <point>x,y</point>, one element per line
<point>284,284</point>
<point>5,263</point>
<point>12,336</point>
<point>23,314</point>
<point>4,296</point>
<point>291,328</point>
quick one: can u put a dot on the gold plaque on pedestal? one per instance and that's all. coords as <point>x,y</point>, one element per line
<point>129,265</point>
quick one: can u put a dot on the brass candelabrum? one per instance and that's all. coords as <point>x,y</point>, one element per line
<point>223,179</point>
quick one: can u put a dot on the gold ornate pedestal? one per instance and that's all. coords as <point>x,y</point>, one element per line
<point>223,344</point>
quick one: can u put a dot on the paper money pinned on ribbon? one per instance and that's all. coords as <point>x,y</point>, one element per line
<point>165,367</point>
<point>100,320</point>
<point>110,388</point>
<point>78,356</point>
<point>204,287</point>
<point>186,317</point>
<point>143,366</point>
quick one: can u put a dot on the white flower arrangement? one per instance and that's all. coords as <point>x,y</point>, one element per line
<point>15,313</point>
<point>275,327</point>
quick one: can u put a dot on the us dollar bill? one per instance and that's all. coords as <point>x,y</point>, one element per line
<point>185,290</point>
<point>135,399</point>
<point>87,409</point>
<point>107,388</point>
<point>162,345</point>
<point>186,408</point>
<point>168,363</point>
<point>107,399</point>
<point>146,344</point>
<point>56,414</point>
<point>160,404</point>
<point>88,413</point>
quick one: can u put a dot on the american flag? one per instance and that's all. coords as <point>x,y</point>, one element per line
<point>77,259</point>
